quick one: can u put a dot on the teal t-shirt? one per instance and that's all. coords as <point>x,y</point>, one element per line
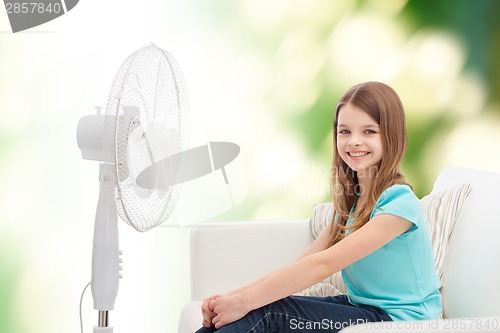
<point>400,277</point>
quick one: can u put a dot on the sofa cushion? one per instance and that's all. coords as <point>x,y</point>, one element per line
<point>471,285</point>
<point>334,284</point>
<point>320,218</point>
<point>441,211</point>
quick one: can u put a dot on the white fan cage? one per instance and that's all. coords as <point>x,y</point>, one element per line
<point>146,121</point>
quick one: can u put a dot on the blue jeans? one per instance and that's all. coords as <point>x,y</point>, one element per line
<point>303,314</point>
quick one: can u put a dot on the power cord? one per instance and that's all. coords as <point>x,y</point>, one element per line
<point>81,300</point>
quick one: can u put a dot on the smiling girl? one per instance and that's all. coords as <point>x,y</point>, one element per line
<point>377,238</point>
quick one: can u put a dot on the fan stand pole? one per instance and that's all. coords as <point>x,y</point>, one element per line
<point>105,252</point>
<point>103,319</point>
<point>103,323</point>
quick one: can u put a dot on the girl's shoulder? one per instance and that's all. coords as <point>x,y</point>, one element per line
<point>398,188</point>
<point>399,200</point>
<point>397,192</point>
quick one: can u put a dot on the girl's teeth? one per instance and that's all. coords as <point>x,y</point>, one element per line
<point>358,154</point>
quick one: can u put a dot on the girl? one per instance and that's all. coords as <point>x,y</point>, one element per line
<point>378,238</point>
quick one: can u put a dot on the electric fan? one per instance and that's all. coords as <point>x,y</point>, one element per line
<point>145,122</point>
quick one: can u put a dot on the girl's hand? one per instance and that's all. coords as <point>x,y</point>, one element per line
<point>228,309</point>
<point>208,314</point>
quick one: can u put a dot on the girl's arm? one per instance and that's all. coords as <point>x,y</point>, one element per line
<point>310,269</point>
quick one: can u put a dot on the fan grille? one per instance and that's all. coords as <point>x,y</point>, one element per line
<point>147,121</point>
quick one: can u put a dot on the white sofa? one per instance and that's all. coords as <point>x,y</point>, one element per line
<point>226,255</point>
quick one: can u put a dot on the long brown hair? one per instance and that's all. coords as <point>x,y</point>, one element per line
<point>383,105</point>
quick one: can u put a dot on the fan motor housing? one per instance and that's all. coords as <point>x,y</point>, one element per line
<point>89,136</point>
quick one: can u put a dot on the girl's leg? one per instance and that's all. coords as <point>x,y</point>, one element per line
<point>304,314</point>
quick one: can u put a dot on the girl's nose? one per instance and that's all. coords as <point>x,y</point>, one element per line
<point>354,141</point>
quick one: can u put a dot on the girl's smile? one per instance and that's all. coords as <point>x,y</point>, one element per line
<point>357,154</point>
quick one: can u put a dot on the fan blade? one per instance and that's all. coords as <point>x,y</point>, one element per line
<point>188,165</point>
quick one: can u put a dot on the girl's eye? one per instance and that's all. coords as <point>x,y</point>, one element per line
<point>370,132</point>
<point>344,132</point>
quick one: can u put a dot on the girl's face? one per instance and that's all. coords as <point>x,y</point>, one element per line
<point>358,140</point>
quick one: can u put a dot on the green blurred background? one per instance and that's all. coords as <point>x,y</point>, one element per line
<point>264,74</point>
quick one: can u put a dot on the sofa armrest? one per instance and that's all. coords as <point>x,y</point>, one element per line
<point>191,318</point>
<point>455,325</point>
<point>228,255</point>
